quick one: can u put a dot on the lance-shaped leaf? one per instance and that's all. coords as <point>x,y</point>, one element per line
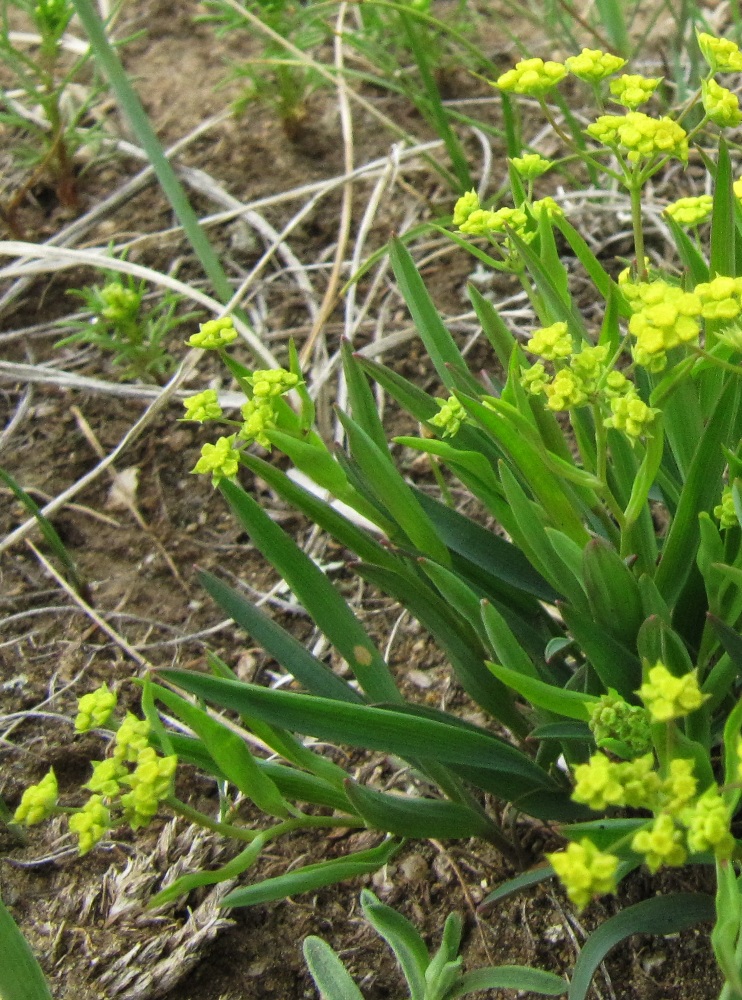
<point>571,704</point>
<point>612,590</point>
<point>598,275</point>
<point>21,977</point>
<point>509,977</point>
<point>316,594</point>
<point>362,402</point>
<point>616,666</point>
<point>313,877</point>
<point>194,880</point>
<point>402,938</point>
<point>407,816</point>
<point>330,975</point>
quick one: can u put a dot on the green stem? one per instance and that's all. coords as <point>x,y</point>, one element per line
<point>635,191</point>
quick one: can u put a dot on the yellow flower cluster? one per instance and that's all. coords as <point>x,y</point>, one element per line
<point>106,777</point>
<point>668,697</point>
<point>214,335</point>
<point>150,783</point>
<point>664,316</point>
<point>661,844</point>
<point>221,459</point>
<point>551,342</point>
<point>529,167</point>
<point>483,222</point>
<point>38,801</point>
<point>593,65</point>
<point>721,298</point>
<point>91,823</point>
<point>722,54</point>
<point>614,719</point>
<point>631,415</point>
<point>641,136</point>
<point>532,77</point>
<point>726,512</point>
<point>270,383</point>
<point>548,205</point>
<point>631,90</point>
<point>690,211</point>
<point>131,738</point>
<point>94,709</point>
<point>720,104</point>
<point>202,407</point>
<point>452,415</point>
<point>585,871</point>
<point>121,303</point>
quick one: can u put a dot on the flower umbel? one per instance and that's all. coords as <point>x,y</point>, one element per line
<point>632,91</point>
<point>91,823</point>
<point>551,342</point>
<point>214,335</point>
<point>721,105</point>
<point>452,415</point>
<point>222,460</point>
<point>584,871</point>
<point>150,783</point>
<point>533,77</point>
<point>203,406</point>
<point>726,512</point>
<point>668,697</point>
<point>94,709</point>
<point>690,211</point>
<point>38,801</point>
<point>593,65</point>
<point>641,136</point>
<point>529,167</point>
<point>722,54</point>
<point>661,844</point>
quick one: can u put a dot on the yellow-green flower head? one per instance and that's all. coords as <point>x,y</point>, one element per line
<point>464,207</point>
<point>641,136</point>
<point>588,365</point>
<point>598,784</point>
<point>106,777</point>
<point>214,335</point>
<point>629,286</point>
<point>665,317</point>
<point>452,415</point>
<point>222,460</point>
<point>679,787</point>
<point>38,801</point>
<point>631,90</point>
<point>548,205</point>
<point>483,222</point>
<point>566,391</point>
<point>721,298</point>
<point>690,211</point>
<point>90,824</point>
<point>530,166</point>
<point>534,379</point>
<point>131,738</point>
<point>630,415</point>
<point>272,382</point>
<point>584,871</point>
<point>616,384</point>
<point>661,844</point>
<point>721,105</point>
<point>725,512</point>
<point>121,303</point>
<point>612,718</point>
<point>592,65</point>
<point>708,825</point>
<point>151,782</point>
<point>259,416</point>
<point>641,783</point>
<point>94,709</point>
<point>533,77</point>
<point>668,697</point>
<point>551,342</point>
<point>203,406</point>
<point>722,54</point>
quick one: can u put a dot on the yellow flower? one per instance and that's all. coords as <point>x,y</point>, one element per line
<point>222,460</point>
<point>721,105</point>
<point>566,391</point>
<point>679,787</point>
<point>106,777</point>
<point>452,415</point>
<point>722,54</point>
<point>272,382</point>
<point>215,334</point>
<point>548,205</point>
<point>532,77</point>
<point>551,342</point>
<point>726,512</point>
<point>593,65</point>
<point>588,365</point>
<point>661,844</point>
<point>534,379</point>
<point>91,823</point>
<point>641,783</point>
<point>598,784</point>
<point>94,709</point>
<point>668,697</point>
<point>690,211</point>
<point>482,221</point>
<point>631,90</point>
<point>584,871</point>
<point>530,166</point>
<point>131,738</point>
<point>708,825</point>
<point>664,317</point>
<point>464,207</point>
<point>630,415</point>
<point>721,298</point>
<point>641,136</point>
<point>38,801</point>
<point>258,416</point>
<point>150,783</point>
<point>202,407</point>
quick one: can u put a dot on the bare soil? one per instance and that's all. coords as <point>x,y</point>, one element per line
<point>87,919</point>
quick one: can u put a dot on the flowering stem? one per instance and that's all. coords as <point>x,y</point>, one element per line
<point>581,154</point>
<point>635,190</point>
<point>707,356</point>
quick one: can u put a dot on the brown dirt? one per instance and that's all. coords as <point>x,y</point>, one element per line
<point>86,918</point>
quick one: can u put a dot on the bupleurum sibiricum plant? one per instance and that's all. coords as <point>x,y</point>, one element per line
<point>598,629</point>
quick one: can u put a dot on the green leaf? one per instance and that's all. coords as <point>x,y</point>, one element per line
<point>509,977</point>
<point>688,252</point>
<point>21,977</point>
<point>616,666</point>
<point>548,290</point>
<point>659,915</point>
<point>402,938</point>
<point>328,972</point>
<point>362,402</point>
<point>502,341</point>
<point>571,704</point>
<point>535,876</point>
<point>550,259</point>
<point>317,595</point>
<point>612,590</point>
<point>194,880</point>
<point>289,652</point>
<point>229,751</point>
<point>597,273</point>
<point>313,877</point>
<point>407,816</point>
<point>311,457</point>
<point>722,218</point>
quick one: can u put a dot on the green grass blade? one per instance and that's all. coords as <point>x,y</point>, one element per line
<point>509,977</point>
<point>722,220</point>
<point>404,940</point>
<point>571,704</point>
<point>688,252</point>
<point>328,972</point>
<point>317,595</point>
<point>598,274</point>
<point>513,885</point>
<point>21,977</point>
<point>363,406</point>
<point>194,880</point>
<point>613,21</point>
<point>660,915</point>
<point>407,816</point>
<point>313,877</point>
